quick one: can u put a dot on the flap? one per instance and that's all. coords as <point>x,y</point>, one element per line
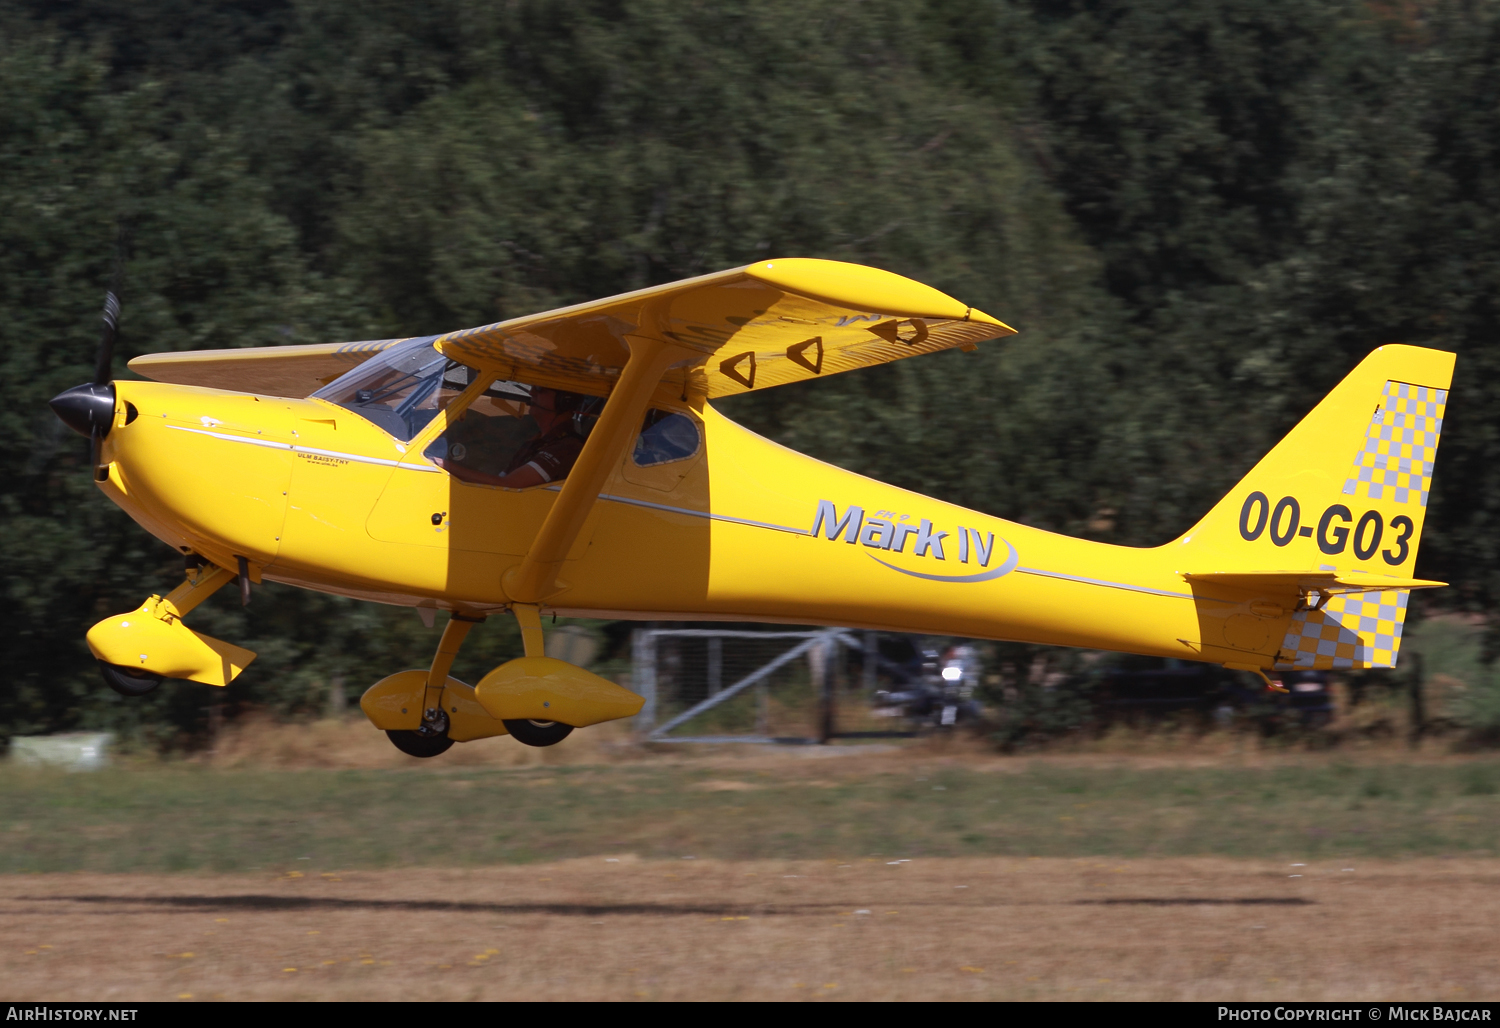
<point>1311,581</point>
<point>295,371</point>
<point>755,327</point>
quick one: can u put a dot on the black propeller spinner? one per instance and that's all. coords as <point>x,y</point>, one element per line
<point>89,409</point>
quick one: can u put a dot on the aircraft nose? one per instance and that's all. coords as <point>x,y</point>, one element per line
<point>87,409</point>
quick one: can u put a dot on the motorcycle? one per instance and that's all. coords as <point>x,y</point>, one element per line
<point>934,690</point>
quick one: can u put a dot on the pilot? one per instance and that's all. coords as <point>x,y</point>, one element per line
<point>551,453</point>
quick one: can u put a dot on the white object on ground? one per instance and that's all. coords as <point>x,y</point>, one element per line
<point>75,751</point>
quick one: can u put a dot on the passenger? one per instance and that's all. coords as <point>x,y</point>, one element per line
<point>550,455</point>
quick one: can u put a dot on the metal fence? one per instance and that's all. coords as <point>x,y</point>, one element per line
<point>717,685</point>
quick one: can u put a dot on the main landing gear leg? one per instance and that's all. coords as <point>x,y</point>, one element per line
<point>525,730</point>
<point>529,617</point>
<point>432,737</point>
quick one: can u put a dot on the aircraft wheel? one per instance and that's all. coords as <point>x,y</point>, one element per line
<point>538,733</point>
<point>129,681</point>
<point>415,744</point>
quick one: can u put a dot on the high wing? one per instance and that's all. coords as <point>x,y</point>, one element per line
<point>759,326</point>
<point>269,370</point>
<point>762,325</point>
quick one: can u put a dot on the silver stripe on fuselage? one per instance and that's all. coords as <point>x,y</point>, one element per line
<point>385,462</point>
<point>358,458</point>
<point>802,531</point>
<point>1116,585</point>
<point>703,514</point>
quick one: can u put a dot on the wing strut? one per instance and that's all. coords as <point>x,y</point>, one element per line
<point>535,578</point>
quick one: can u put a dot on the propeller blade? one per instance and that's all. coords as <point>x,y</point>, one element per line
<point>89,409</point>
<point>106,357</point>
<point>104,360</point>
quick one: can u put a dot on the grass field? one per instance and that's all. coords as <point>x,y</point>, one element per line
<point>864,804</point>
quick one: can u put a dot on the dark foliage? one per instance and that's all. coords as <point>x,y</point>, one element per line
<point>1200,213</point>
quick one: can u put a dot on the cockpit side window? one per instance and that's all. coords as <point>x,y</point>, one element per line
<point>402,389</point>
<point>665,437</point>
<point>516,435</point>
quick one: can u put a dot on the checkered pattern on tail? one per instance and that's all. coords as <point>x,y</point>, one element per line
<point>1353,630</point>
<point>1396,460</point>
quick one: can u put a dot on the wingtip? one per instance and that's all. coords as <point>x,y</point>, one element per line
<point>859,287</point>
<point>979,317</point>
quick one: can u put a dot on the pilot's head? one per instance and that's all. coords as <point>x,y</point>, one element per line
<point>544,407</point>
<point>550,407</point>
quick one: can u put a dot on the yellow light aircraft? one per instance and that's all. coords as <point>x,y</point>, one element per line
<point>571,462</point>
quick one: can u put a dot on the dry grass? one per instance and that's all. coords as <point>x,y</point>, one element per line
<point>601,928</point>
<point>262,742</point>
<point>351,742</point>
<point>745,803</point>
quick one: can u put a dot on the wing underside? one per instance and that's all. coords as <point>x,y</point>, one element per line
<point>751,328</point>
<point>293,371</point>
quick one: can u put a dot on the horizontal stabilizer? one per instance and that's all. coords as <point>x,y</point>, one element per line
<point>1310,581</point>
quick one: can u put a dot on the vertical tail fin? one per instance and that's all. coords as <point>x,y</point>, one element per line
<point>1340,500</point>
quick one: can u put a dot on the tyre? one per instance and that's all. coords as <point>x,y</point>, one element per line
<point>538,733</point>
<point>415,744</point>
<point>129,681</point>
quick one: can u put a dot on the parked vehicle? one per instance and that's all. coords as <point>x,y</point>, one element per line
<point>1308,699</point>
<point>931,688</point>
<point>1136,689</point>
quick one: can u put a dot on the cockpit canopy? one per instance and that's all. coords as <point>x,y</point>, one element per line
<point>402,389</point>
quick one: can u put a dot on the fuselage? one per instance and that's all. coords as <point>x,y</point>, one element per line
<point>316,496</point>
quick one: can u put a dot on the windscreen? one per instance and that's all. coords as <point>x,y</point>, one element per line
<point>402,389</point>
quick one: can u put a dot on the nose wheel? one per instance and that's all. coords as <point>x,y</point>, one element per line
<point>129,681</point>
<point>538,733</point>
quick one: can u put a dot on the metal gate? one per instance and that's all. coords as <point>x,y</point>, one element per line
<point>719,685</point>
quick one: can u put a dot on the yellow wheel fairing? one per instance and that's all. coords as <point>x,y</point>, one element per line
<point>395,704</point>
<point>546,689</point>
<point>153,640</point>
